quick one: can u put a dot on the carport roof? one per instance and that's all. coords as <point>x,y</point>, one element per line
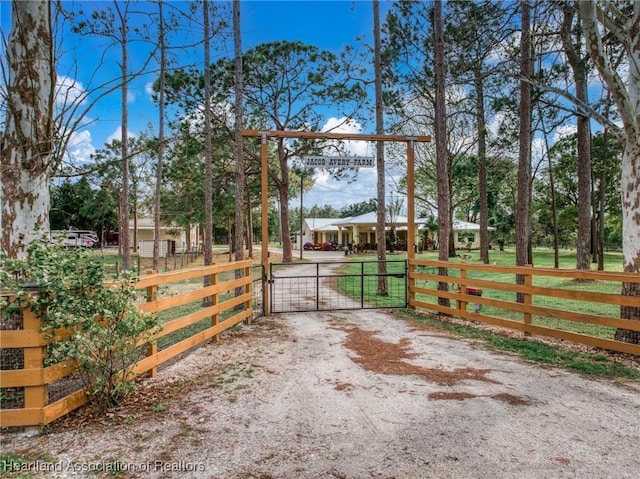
<point>321,224</point>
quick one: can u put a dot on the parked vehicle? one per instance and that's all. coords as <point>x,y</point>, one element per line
<point>75,238</point>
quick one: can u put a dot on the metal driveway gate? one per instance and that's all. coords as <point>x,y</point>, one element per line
<point>338,285</point>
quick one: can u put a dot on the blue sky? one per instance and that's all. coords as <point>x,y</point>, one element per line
<point>326,24</point>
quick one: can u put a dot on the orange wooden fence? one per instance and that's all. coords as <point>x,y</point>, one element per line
<point>583,307</point>
<point>579,306</point>
<point>33,393</point>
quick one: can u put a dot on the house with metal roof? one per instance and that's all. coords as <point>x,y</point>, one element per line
<point>361,230</point>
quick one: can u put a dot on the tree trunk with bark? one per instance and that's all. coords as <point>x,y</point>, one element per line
<point>283,190</point>
<point>239,151</point>
<point>159,166</point>
<point>26,149</point>
<point>630,186</point>
<point>579,67</point>
<point>208,167</point>
<point>602,198</point>
<point>442,153</point>
<point>381,217</point>
<point>523,211</point>
<point>482,168</point>
<point>626,94</point>
<point>524,163</point>
<point>125,241</point>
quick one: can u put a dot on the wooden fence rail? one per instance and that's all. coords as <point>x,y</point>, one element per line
<point>33,393</point>
<point>574,305</point>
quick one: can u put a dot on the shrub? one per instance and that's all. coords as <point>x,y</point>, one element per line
<point>101,327</point>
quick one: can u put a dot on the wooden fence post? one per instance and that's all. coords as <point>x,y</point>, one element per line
<point>35,397</point>
<point>215,318</point>
<point>152,348</point>
<point>248,305</point>
<point>462,290</point>
<point>528,281</point>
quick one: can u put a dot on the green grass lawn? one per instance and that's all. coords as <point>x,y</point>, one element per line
<point>542,258</point>
<point>354,285</point>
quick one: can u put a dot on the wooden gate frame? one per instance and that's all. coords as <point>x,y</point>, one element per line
<point>310,135</point>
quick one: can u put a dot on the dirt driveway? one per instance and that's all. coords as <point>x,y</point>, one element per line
<point>352,395</point>
<point>355,395</point>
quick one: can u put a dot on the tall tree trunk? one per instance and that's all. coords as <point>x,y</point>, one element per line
<point>208,167</point>
<point>158,186</point>
<point>630,186</point>
<point>381,212</point>
<point>523,212</point>
<point>524,163</point>
<point>27,143</point>
<point>602,196</point>
<point>238,246</point>
<point>442,151</point>
<point>239,152</point>
<point>482,168</point>
<point>579,68</point>
<point>125,240</point>
<point>283,191</point>
<point>626,95</point>
<point>134,214</point>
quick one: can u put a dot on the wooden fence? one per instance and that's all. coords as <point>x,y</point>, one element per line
<point>34,393</point>
<point>583,307</point>
<point>579,306</point>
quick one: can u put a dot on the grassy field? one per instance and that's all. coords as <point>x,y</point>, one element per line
<point>599,365</point>
<point>542,258</point>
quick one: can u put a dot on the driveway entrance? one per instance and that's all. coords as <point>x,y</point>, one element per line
<point>336,285</point>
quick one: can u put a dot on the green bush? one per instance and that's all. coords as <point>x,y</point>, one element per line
<point>66,288</point>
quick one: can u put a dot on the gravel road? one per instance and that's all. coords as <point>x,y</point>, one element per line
<point>358,394</point>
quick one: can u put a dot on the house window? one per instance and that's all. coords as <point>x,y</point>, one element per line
<point>465,238</point>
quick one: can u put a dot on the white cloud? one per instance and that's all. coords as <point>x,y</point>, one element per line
<point>79,138</point>
<point>564,131</point>
<point>117,135</point>
<point>538,149</point>
<point>349,147</point>
<point>148,89</point>
<point>69,92</point>
<point>80,147</point>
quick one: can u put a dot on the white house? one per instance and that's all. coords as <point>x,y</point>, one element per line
<point>362,230</point>
<point>466,234</point>
<point>317,231</point>
<point>173,239</point>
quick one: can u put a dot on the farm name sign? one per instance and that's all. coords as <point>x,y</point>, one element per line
<point>339,161</point>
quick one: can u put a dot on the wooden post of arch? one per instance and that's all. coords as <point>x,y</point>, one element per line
<point>411,220</point>
<point>309,135</point>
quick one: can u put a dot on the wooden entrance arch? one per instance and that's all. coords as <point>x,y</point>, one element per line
<point>308,135</point>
